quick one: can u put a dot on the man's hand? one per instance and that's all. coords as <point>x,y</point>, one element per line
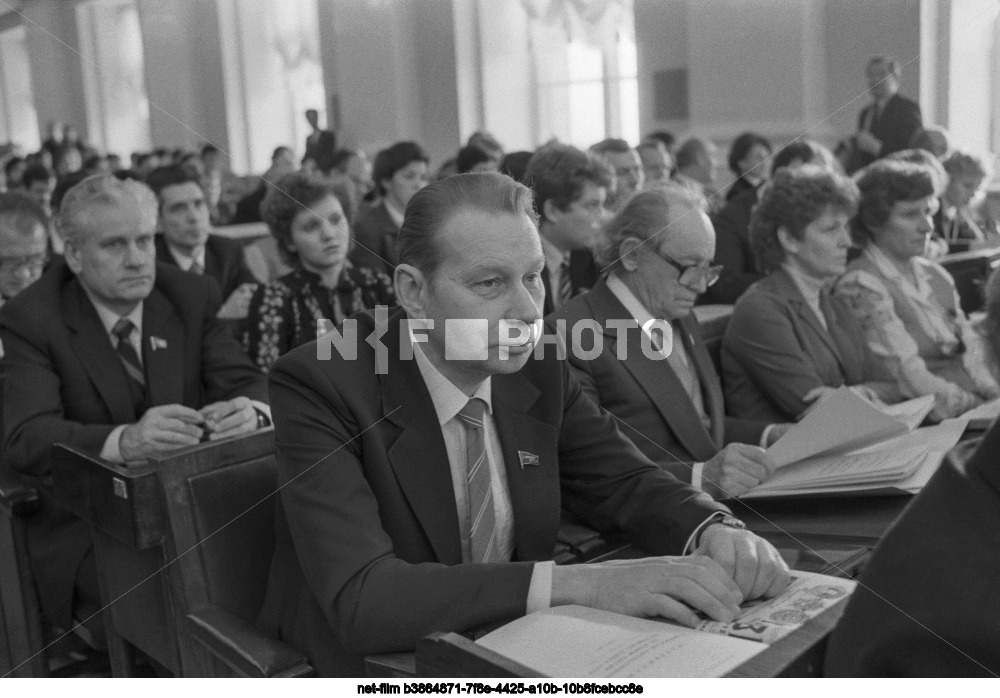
<point>736,469</point>
<point>237,306</point>
<point>669,587</point>
<point>865,141</point>
<point>748,559</point>
<point>161,429</point>
<point>229,418</point>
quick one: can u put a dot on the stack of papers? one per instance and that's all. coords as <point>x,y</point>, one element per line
<point>982,417</point>
<point>849,446</point>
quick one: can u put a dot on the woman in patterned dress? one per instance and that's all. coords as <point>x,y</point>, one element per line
<point>306,218</point>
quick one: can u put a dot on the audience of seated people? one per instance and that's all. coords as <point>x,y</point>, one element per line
<point>789,341</point>
<point>113,354</point>
<point>305,214</point>
<point>954,220</point>
<point>668,397</point>
<point>907,305</point>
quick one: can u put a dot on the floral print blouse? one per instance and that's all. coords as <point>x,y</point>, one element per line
<point>284,313</point>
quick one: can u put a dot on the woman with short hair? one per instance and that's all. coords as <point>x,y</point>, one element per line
<point>306,217</point>
<point>789,341</point>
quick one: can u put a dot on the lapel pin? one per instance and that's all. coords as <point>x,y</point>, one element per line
<point>157,343</point>
<point>527,458</point>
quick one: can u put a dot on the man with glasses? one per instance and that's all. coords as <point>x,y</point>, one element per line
<point>24,243</point>
<point>659,251</point>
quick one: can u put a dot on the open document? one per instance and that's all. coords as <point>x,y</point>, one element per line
<point>584,642</point>
<point>984,416</point>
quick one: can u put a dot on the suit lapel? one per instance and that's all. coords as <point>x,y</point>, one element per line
<point>93,347</point>
<point>806,314</point>
<point>163,252</point>
<point>711,387</point>
<point>534,488</point>
<point>418,455</point>
<point>655,378</point>
<point>163,351</point>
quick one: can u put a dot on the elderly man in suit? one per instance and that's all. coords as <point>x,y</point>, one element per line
<point>185,240</point>
<point>115,355</point>
<point>422,472</point>
<point>571,191</point>
<point>659,249</point>
<point>887,124</point>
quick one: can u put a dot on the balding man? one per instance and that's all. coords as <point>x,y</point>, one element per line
<point>424,487</point>
<point>24,243</point>
<point>117,356</point>
<point>659,249</point>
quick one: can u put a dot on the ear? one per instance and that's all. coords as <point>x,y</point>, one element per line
<point>550,211</point>
<point>71,253</point>
<point>787,241</point>
<point>628,252</point>
<point>411,290</point>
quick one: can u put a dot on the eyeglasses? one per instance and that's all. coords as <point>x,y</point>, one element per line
<point>692,275</point>
<point>33,263</point>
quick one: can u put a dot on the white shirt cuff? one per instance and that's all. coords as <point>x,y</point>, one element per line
<point>689,547</point>
<point>540,589</point>
<point>766,434</point>
<point>111,451</point>
<point>696,475</point>
<point>263,407</point>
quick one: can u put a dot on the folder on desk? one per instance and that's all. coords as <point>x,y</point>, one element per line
<point>849,446</point>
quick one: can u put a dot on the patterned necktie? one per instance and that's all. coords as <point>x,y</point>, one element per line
<point>565,283</point>
<point>123,329</point>
<point>483,532</point>
<point>196,268</point>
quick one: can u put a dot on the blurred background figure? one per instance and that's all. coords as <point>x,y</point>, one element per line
<point>748,160</point>
<point>321,144</point>
<point>657,164</point>
<point>933,139</point>
<point>695,170</point>
<point>627,166</point>
<point>957,221</point>
<point>24,243</point>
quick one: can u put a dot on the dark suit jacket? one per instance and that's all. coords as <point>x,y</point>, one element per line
<point>65,384</point>
<point>322,150</point>
<point>928,603</point>
<point>647,395</point>
<point>224,262</point>
<point>368,555</point>
<point>775,351</point>
<point>583,274</point>
<point>376,238</point>
<point>895,126</point>
<point>732,250</point>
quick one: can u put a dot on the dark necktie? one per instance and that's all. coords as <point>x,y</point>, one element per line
<point>565,283</point>
<point>123,329</point>
<point>483,532</point>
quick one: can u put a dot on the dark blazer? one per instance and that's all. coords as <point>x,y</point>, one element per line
<point>647,395</point>
<point>65,384</point>
<point>224,262</point>
<point>583,274</point>
<point>376,238</point>
<point>732,250</point>
<point>321,150</point>
<point>895,126</point>
<point>367,553</point>
<point>775,351</point>
<point>928,603</point>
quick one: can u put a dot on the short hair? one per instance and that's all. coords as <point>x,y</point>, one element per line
<point>469,156</point>
<point>21,213</point>
<point>102,191</point>
<point>689,152</point>
<point>919,156</point>
<point>279,150</point>
<point>207,149</point>
<point>484,140</point>
<point>796,150</point>
<point>644,216</point>
<point>882,184</point>
<point>664,137</point>
<point>886,60</point>
<point>611,145</point>
<point>962,163</point>
<point>36,173</point>
<point>558,172</point>
<point>64,185</point>
<point>434,205</point>
<point>934,139</point>
<point>170,176</point>
<point>342,158</point>
<point>394,158</point>
<point>515,164</point>
<point>285,199</point>
<point>793,199</point>
<point>741,146</point>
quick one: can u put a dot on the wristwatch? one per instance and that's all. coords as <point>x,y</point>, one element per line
<point>731,521</point>
<point>263,421</point>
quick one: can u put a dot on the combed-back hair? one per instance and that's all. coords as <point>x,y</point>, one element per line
<point>558,173</point>
<point>73,222</point>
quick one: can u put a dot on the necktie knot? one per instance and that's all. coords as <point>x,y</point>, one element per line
<point>123,329</point>
<point>472,414</point>
<point>197,268</point>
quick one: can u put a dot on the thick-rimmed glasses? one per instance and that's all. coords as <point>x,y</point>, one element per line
<point>693,274</point>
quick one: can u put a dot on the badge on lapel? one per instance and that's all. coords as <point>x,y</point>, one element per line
<point>157,343</point>
<point>527,458</point>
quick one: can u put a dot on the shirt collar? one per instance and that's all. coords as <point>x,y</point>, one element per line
<point>447,398</point>
<point>184,260</point>
<point>554,257</point>
<point>109,317</point>
<point>891,271</point>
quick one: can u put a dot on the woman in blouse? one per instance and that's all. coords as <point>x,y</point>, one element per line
<point>307,220</point>
<point>907,304</point>
<point>789,341</point>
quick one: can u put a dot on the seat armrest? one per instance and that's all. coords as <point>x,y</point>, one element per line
<point>17,494</point>
<point>242,647</point>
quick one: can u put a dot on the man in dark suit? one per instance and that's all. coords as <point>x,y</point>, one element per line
<point>321,144</point>
<point>184,240</point>
<point>117,356</point>
<point>571,191</point>
<point>668,397</point>
<point>887,124</point>
<point>387,449</point>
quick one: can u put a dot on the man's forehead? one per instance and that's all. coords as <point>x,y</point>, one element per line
<point>176,193</point>
<point>470,235</point>
<point>688,235</point>
<point>107,220</point>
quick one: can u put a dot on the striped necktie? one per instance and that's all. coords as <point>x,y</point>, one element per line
<point>123,329</point>
<point>483,533</point>
<point>565,283</point>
